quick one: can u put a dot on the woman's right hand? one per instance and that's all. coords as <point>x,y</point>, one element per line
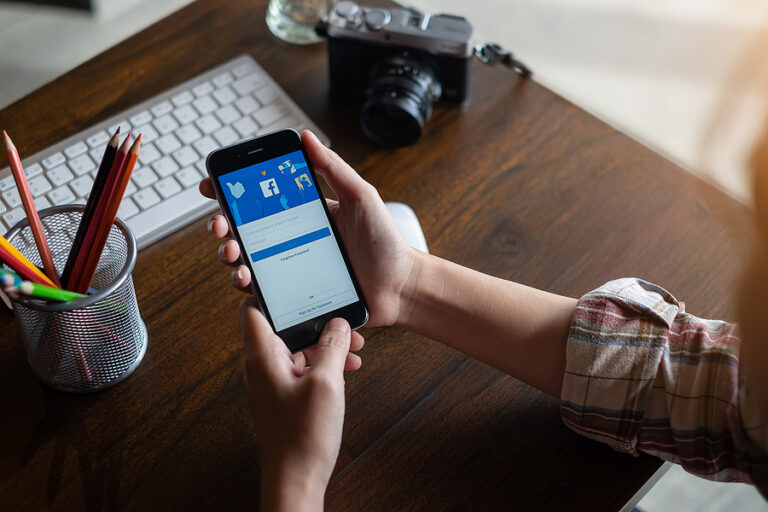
<point>382,259</point>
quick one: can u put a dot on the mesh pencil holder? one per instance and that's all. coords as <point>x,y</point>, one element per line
<point>91,343</point>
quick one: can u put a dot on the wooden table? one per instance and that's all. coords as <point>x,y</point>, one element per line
<point>518,183</point>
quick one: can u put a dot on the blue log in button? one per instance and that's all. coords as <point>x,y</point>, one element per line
<point>290,244</point>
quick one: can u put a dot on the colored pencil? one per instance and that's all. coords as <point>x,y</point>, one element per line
<point>22,259</point>
<point>38,290</point>
<point>112,198</point>
<point>19,267</point>
<point>90,205</point>
<point>73,283</point>
<point>31,211</point>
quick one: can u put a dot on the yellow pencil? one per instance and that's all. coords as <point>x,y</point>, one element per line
<point>11,249</point>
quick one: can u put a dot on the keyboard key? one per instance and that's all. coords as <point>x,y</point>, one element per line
<point>183,98</point>
<point>12,217</point>
<point>187,203</point>
<point>53,160</point>
<point>165,124</point>
<point>148,134</point>
<point>82,164</point>
<point>185,114</point>
<point>188,134</point>
<point>208,124</point>
<point>286,122</point>
<point>270,114</point>
<point>124,126</point>
<point>3,208</point>
<point>7,182</point>
<point>168,187</point>
<point>127,208</point>
<point>201,167</point>
<point>148,154</point>
<point>12,198</point>
<point>76,149</point>
<point>144,177</point>
<point>205,146</point>
<point>243,69</point>
<point>203,89</point>
<point>82,185</point>
<point>162,108</point>
<point>168,143</point>
<point>131,188</point>
<point>266,95</point>
<point>186,156</point>
<point>245,126</point>
<point>247,105</point>
<point>32,170</point>
<point>226,136</point>
<point>248,84</point>
<point>141,118</point>
<point>188,177</point>
<point>164,167</point>
<point>205,105</point>
<point>228,114</point>
<point>60,175</point>
<point>224,95</point>
<point>42,202</point>
<point>39,185</point>
<point>222,79</point>
<point>61,195</point>
<point>98,154</point>
<point>146,198</point>
<point>98,140</point>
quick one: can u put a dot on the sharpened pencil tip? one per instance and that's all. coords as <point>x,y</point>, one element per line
<point>8,142</point>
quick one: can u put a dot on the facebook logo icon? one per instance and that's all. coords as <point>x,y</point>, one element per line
<point>269,187</point>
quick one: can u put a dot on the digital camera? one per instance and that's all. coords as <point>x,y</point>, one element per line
<point>401,62</point>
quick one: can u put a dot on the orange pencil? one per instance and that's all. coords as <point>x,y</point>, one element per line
<point>98,212</point>
<point>29,208</point>
<point>113,197</point>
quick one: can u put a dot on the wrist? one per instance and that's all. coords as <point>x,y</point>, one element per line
<point>291,491</point>
<point>410,295</point>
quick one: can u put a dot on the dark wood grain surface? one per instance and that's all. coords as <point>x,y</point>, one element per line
<point>518,183</point>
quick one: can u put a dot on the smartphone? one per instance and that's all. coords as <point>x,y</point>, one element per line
<point>300,271</point>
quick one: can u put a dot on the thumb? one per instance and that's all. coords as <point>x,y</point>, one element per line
<point>332,348</point>
<point>342,178</point>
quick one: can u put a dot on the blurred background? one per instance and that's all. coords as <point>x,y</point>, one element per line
<point>687,78</point>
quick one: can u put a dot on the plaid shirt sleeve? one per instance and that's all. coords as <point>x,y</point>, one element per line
<point>642,375</point>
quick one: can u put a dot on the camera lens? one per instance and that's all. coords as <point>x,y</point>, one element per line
<point>399,99</point>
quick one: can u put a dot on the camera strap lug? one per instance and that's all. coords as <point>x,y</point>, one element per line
<point>492,54</point>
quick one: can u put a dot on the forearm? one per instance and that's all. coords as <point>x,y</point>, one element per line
<point>517,329</point>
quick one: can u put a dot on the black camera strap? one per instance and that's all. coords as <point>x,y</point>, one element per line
<point>492,54</point>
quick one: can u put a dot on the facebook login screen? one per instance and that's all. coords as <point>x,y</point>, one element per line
<point>291,246</point>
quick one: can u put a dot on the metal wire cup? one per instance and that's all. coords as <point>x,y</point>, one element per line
<point>91,343</point>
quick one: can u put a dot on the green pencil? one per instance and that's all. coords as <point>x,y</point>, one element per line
<point>38,290</point>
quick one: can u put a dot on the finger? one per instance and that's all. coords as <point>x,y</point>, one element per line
<point>262,346</point>
<point>357,342</point>
<point>218,226</point>
<point>241,278</point>
<point>332,348</point>
<point>353,363</point>
<point>300,361</point>
<point>229,252</point>
<point>344,181</point>
<point>206,188</point>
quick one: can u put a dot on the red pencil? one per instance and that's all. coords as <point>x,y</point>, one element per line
<point>105,222</point>
<point>29,208</point>
<point>98,213</point>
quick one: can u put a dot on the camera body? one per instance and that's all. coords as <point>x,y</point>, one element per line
<point>400,61</point>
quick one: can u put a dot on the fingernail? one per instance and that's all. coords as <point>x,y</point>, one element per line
<point>221,251</point>
<point>237,275</point>
<point>338,324</point>
<point>210,225</point>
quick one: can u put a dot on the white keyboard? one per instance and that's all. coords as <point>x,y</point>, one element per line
<point>179,128</point>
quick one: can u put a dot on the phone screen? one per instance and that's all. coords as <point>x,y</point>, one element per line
<point>289,242</point>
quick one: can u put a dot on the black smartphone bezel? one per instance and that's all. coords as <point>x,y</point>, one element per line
<point>259,149</point>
